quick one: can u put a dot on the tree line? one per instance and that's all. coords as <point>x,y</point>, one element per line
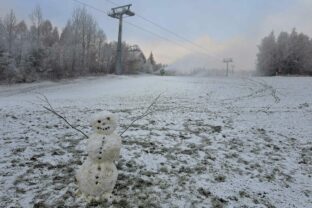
<point>40,51</point>
<point>288,54</point>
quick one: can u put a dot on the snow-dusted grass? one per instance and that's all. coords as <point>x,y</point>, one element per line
<point>212,142</point>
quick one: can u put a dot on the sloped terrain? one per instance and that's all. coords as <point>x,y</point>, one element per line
<point>211,142</point>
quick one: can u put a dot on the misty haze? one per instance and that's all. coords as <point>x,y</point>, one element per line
<point>118,103</point>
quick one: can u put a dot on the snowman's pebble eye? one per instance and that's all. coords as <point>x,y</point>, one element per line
<point>99,121</point>
<point>108,118</point>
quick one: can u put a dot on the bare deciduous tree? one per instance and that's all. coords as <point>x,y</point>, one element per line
<point>37,19</point>
<point>9,25</point>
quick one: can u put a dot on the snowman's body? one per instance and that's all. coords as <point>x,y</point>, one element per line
<point>103,148</point>
<point>98,174</point>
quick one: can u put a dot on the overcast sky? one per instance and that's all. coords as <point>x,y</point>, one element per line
<point>225,28</point>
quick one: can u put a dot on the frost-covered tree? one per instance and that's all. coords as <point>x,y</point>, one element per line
<point>109,57</point>
<point>154,65</point>
<point>308,59</point>
<point>135,60</point>
<point>36,19</point>
<point>266,63</point>
<point>282,51</point>
<point>9,23</point>
<point>99,53</point>
<point>8,70</point>
<point>151,59</point>
<point>3,63</point>
<point>41,51</point>
<point>289,54</point>
<point>49,35</point>
<point>22,43</point>
<point>79,39</point>
<point>2,35</point>
<point>300,47</point>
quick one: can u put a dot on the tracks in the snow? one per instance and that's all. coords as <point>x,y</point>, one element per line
<point>259,90</point>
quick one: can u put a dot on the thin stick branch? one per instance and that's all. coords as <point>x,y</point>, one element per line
<point>52,110</point>
<point>146,113</point>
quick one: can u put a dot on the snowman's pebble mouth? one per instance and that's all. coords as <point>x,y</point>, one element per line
<point>104,129</point>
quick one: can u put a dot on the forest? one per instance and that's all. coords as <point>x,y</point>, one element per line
<point>288,54</point>
<point>40,51</point>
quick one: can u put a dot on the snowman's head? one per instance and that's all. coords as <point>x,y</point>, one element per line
<point>104,122</point>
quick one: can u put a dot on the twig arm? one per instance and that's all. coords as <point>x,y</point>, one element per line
<point>146,113</point>
<point>52,110</point>
<point>65,120</point>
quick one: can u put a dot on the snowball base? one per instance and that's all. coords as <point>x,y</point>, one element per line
<point>97,180</point>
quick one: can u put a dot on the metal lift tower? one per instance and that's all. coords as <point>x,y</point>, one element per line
<point>118,13</point>
<point>227,61</point>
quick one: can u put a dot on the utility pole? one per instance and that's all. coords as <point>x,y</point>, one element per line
<point>118,13</point>
<point>227,61</point>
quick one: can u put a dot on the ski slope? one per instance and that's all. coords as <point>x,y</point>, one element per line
<point>211,142</point>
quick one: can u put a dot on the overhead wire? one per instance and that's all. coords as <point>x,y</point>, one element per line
<point>170,31</point>
<point>149,31</point>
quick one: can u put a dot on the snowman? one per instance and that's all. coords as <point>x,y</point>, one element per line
<point>98,174</point>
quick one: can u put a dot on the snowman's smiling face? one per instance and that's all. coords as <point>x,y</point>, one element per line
<point>104,123</point>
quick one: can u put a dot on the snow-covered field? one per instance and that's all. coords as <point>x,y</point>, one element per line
<point>211,142</point>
